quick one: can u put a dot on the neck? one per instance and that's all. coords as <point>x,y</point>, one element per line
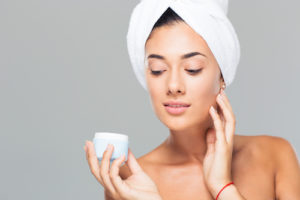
<point>188,145</point>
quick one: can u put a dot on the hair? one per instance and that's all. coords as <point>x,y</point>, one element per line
<point>169,17</point>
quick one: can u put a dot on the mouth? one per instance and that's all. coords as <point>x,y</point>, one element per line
<point>176,107</point>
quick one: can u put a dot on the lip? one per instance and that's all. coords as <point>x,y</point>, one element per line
<point>176,103</point>
<point>176,110</point>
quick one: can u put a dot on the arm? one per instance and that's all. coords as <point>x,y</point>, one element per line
<point>219,141</point>
<point>231,192</point>
<point>287,178</point>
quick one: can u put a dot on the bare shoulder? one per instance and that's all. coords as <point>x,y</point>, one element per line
<point>264,149</point>
<point>261,143</point>
<point>276,146</point>
<point>287,169</point>
<point>275,156</point>
<point>279,153</point>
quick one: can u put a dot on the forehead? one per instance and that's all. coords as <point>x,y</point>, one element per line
<point>176,39</point>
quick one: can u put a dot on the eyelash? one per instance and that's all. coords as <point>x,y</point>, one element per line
<point>192,71</point>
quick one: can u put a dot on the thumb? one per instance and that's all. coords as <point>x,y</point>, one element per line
<point>132,163</point>
<point>210,141</point>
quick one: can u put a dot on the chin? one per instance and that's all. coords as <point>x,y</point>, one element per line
<point>181,123</point>
<point>177,124</point>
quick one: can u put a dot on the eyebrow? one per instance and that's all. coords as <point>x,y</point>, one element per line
<point>185,56</point>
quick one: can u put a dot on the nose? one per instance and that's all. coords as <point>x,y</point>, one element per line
<point>175,83</point>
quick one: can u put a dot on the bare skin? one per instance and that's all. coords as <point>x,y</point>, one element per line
<point>255,171</point>
<point>262,167</point>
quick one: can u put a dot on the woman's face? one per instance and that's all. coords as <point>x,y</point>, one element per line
<point>175,82</point>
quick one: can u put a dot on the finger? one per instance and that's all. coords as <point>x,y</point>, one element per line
<point>219,111</point>
<point>229,119</point>
<point>218,125</point>
<point>93,160</point>
<point>104,170</point>
<point>132,163</point>
<point>119,184</point>
<point>226,100</point>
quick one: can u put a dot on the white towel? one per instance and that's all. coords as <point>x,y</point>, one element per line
<point>207,17</point>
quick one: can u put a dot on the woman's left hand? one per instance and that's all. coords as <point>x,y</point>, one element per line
<point>217,161</point>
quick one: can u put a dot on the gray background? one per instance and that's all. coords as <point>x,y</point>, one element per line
<point>65,74</point>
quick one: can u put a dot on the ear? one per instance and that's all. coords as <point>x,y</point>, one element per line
<point>222,82</point>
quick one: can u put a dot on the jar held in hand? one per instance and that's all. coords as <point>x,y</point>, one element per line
<point>119,141</point>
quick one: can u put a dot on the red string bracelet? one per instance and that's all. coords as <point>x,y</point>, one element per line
<point>223,189</point>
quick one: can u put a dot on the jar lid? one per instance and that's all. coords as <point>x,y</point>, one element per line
<point>109,135</point>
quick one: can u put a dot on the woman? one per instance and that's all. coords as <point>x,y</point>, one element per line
<point>202,153</point>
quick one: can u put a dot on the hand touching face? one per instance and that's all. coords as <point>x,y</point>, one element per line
<point>218,158</point>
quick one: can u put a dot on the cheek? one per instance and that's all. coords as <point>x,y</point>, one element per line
<point>204,96</point>
<point>204,91</point>
<point>155,93</point>
<point>154,90</point>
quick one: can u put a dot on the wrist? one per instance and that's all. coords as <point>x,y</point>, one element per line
<point>229,192</point>
<point>226,193</point>
<point>222,190</point>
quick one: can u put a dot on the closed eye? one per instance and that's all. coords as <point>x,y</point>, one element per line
<point>192,71</point>
<point>156,72</point>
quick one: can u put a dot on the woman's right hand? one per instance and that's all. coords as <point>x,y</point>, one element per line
<point>138,186</point>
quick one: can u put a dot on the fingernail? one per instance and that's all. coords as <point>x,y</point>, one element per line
<point>212,109</point>
<point>220,97</point>
<point>109,147</point>
<point>223,92</point>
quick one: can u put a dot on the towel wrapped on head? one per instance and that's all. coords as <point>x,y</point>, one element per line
<point>206,17</point>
